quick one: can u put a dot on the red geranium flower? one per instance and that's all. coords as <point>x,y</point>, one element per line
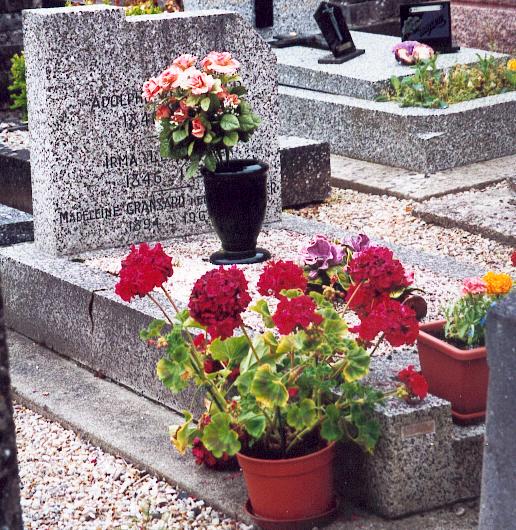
<point>279,275</point>
<point>299,311</point>
<point>363,298</point>
<point>415,382</point>
<point>142,270</point>
<point>218,298</point>
<point>397,321</point>
<point>377,266</point>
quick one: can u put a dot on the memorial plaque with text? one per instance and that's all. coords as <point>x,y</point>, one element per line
<point>97,176</point>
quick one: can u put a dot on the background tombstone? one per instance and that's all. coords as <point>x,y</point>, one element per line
<point>498,501</point>
<point>10,512</point>
<point>97,177</point>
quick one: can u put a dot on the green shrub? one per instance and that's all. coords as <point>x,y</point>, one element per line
<point>18,87</point>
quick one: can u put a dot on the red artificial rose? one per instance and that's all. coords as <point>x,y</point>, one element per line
<point>397,321</point>
<point>142,270</point>
<point>218,298</point>
<point>513,259</point>
<point>415,382</point>
<point>279,275</point>
<point>377,266</point>
<point>299,311</point>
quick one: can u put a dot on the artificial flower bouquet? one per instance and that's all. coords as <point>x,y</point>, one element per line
<point>292,388</point>
<point>465,318</point>
<point>201,111</point>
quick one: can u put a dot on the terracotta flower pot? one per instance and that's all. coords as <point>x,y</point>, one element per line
<point>295,489</point>
<point>457,375</point>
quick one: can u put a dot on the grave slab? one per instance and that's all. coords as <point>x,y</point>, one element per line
<point>367,177</point>
<point>97,177</point>
<point>15,185</point>
<point>15,226</point>
<point>493,216</point>
<point>305,171</point>
<point>364,77</point>
<point>422,140</point>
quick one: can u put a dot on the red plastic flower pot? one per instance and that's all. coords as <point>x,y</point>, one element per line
<point>290,489</point>
<point>457,375</point>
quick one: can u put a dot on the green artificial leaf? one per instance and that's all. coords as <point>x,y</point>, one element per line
<point>303,415</point>
<point>257,120</point>
<point>239,90</point>
<point>191,147</point>
<point>268,389</point>
<point>172,375</point>
<point>245,108</point>
<point>153,330</point>
<point>210,162</point>
<point>192,169</point>
<point>262,308</point>
<point>331,429</point>
<point>208,138</point>
<point>246,122</point>
<point>253,422</point>
<point>179,135</point>
<point>205,103</point>
<point>214,103</point>
<point>192,101</point>
<point>182,436</point>
<point>230,139</point>
<point>233,349</point>
<point>357,362</point>
<point>219,438</point>
<point>229,122</point>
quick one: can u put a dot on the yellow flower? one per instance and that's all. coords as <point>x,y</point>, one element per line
<point>511,65</point>
<point>497,283</point>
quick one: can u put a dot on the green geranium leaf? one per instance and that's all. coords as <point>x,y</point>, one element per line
<point>172,375</point>
<point>287,344</point>
<point>153,331</point>
<point>182,436</point>
<point>368,429</point>
<point>357,362</point>
<point>268,389</point>
<point>230,139</point>
<point>219,438</point>
<point>253,422</point>
<point>229,122</point>
<point>233,349</point>
<point>302,416</point>
<point>262,308</point>
<point>331,429</point>
<point>244,381</point>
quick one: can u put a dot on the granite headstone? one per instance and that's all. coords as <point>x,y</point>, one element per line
<point>97,176</point>
<point>10,512</point>
<point>498,500</point>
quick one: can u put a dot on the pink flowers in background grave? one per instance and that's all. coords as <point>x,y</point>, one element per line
<point>473,286</point>
<point>321,253</point>
<point>220,62</point>
<point>410,52</point>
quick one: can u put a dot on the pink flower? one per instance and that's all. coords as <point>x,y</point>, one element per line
<point>473,286</point>
<point>198,129</point>
<point>181,114</point>
<point>170,78</point>
<point>151,88</point>
<point>185,61</point>
<point>200,83</point>
<point>220,62</point>
<point>163,112</point>
<point>231,100</point>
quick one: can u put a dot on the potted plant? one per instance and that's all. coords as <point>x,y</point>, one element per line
<point>452,352</point>
<point>280,399</point>
<point>201,115</point>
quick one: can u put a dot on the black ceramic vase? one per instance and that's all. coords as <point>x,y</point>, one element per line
<point>236,199</point>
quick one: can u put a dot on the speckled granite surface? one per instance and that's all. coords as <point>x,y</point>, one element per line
<point>423,140</point>
<point>364,77</point>
<point>15,226</point>
<point>97,178</point>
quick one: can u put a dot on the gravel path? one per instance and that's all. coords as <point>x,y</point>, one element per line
<point>390,219</point>
<point>70,484</point>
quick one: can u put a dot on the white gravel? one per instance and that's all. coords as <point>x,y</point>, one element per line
<point>69,484</point>
<point>390,219</point>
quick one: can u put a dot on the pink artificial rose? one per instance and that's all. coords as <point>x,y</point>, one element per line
<point>163,112</point>
<point>200,83</point>
<point>185,61</point>
<point>151,88</point>
<point>181,114</point>
<point>231,100</point>
<point>198,129</point>
<point>220,62</point>
<point>473,286</point>
<point>422,52</point>
<point>170,78</point>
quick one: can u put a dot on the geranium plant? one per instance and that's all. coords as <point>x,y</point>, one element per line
<point>200,110</point>
<point>465,318</point>
<point>281,393</point>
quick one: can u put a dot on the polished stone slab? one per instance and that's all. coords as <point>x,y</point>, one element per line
<point>15,226</point>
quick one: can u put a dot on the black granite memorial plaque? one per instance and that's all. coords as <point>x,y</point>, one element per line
<point>263,13</point>
<point>330,18</point>
<point>429,23</point>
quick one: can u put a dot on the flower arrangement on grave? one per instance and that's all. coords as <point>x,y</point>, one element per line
<point>200,109</point>
<point>411,52</point>
<point>466,317</point>
<point>289,391</point>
